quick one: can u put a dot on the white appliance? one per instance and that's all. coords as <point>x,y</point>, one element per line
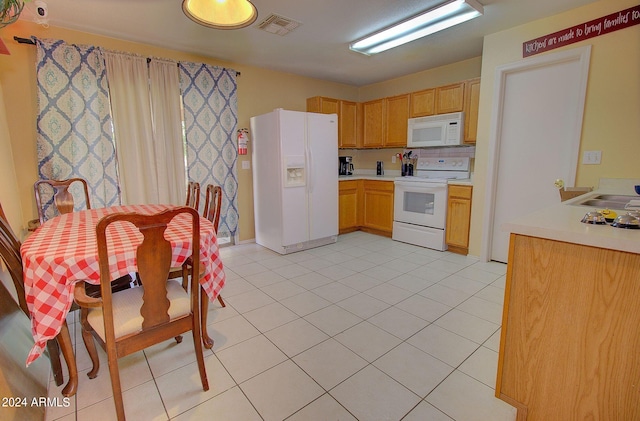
<point>420,202</point>
<point>295,179</point>
<point>435,130</point>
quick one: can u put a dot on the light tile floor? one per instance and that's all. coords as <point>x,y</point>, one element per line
<point>365,329</point>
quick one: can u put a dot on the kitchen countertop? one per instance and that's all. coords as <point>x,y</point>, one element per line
<point>391,175</point>
<point>561,222</point>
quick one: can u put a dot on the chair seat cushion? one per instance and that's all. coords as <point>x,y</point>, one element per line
<point>126,309</point>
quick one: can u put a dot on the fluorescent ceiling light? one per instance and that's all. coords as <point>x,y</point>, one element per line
<point>433,20</point>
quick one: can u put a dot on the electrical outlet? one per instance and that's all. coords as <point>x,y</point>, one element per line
<point>393,159</point>
<point>591,157</point>
<point>246,165</point>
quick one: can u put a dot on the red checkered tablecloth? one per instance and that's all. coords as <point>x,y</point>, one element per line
<point>64,250</point>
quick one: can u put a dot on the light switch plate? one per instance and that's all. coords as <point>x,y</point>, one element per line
<point>246,165</point>
<point>591,157</point>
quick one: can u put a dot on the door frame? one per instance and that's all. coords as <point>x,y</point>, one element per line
<point>580,54</point>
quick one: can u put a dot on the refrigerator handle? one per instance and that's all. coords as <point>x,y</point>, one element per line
<point>310,170</point>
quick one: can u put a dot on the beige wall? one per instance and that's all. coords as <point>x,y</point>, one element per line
<point>611,122</point>
<point>259,91</point>
<point>439,76</point>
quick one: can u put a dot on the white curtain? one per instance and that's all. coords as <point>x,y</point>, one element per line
<point>129,91</point>
<point>146,113</point>
<point>164,84</point>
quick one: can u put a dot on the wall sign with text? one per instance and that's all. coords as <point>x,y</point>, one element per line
<point>583,31</point>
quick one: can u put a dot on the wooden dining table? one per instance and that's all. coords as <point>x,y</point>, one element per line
<point>64,251</point>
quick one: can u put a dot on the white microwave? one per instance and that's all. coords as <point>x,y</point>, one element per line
<point>435,130</point>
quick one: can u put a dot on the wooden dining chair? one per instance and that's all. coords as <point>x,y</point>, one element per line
<point>212,207</point>
<point>193,195</point>
<point>193,201</point>
<point>62,197</point>
<point>134,319</point>
<point>10,253</point>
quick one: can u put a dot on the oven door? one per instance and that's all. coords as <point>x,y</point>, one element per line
<point>420,203</point>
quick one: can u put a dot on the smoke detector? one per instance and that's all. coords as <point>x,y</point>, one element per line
<point>279,25</point>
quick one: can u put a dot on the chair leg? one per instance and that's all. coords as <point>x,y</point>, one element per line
<point>221,301</point>
<point>54,356</point>
<point>204,310</point>
<point>115,383</point>
<point>89,344</point>
<point>64,338</point>
<point>197,322</point>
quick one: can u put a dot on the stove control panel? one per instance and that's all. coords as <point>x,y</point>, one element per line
<point>444,164</point>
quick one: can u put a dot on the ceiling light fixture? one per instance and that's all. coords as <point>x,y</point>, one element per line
<point>221,14</point>
<point>433,20</point>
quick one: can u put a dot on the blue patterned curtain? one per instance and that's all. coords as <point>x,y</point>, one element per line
<point>210,102</point>
<point>74,122</point>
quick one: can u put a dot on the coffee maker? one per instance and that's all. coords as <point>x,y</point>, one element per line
<point>346,165</point>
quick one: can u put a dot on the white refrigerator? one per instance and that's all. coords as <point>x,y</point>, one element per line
<point>295,179</point>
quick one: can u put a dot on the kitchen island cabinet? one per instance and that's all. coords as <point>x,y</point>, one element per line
<point>570,339</point>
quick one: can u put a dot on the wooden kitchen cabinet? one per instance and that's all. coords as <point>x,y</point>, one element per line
<point>349,215</point>
<point>324,105</point>
<point>373,123</point>
<point>377,207</point>
<point>396,117</point>
<point>471,106</point>
<point>569,341</point>
<point>348,124</point>
<point>422,103</point>
<point>347,112</point>
<point>450,98</point>
<point>458,218</point>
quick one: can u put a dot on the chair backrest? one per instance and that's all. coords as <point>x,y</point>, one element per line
<point>193,195</point>
<point>213,204</point>
<point>154,261</point>
<point>10,253</point>
<point>62,197</point>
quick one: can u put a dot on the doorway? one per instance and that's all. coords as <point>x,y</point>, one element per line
<point>535,139</point>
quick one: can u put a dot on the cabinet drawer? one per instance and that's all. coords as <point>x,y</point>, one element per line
<point>463,192</point>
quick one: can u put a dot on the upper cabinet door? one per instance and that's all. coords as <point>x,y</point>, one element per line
<point>423,103</point>
<point>471,106</point>
<point>397,114</point>
<point>348,128</point>
<point>323,105</point>
<point>450,98</point>
<point>373,125</point>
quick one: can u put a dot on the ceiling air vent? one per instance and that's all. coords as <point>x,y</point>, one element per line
<point>276,24</point>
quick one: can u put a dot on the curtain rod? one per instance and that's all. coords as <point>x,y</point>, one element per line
<point>32,42</point>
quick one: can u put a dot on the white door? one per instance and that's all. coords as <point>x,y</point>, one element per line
<point>535,139</point>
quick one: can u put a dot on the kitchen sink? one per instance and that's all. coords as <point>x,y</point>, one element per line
<point>607,201</point>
